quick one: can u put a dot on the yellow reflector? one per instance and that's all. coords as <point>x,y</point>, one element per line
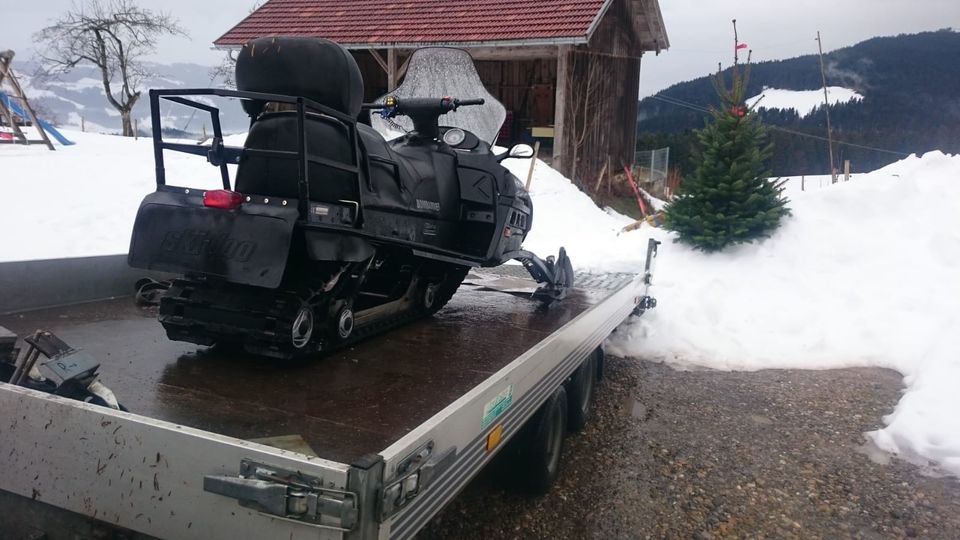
<point>493,439</point>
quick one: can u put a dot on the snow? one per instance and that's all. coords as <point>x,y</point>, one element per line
<point>865,273</point>
<point>803,101</point>
<point>81,200</point>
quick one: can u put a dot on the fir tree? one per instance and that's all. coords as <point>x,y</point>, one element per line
<point>729,199</point>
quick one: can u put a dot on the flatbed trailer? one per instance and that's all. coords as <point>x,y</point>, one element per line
<point>367,442</point>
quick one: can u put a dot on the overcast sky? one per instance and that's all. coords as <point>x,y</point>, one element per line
<point>699,30</point>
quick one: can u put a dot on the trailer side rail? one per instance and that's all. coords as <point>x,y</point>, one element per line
<point>147,475</point>
<point>431,464</point>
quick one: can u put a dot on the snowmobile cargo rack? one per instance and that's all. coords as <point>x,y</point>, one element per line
<point>220,156</point>
<point>369,442</point>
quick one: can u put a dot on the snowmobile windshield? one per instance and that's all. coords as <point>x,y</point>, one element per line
<point>439,72</point>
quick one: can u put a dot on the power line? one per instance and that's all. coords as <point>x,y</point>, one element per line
<point>802,134</point>
<point>686,104</point>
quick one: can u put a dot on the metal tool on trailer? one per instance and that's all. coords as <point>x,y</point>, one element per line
<point>380,437</point>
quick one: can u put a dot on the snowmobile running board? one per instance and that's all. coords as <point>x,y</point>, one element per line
<point>368,442</point>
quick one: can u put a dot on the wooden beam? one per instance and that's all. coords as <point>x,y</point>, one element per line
<point>560,107</point>
<point>8,116</point>
<point>391,70</point>
<point>512,53</point>
<point>376,56</point>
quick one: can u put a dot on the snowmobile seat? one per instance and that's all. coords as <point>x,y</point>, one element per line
<point>278,177</point>
<point>319,70</point>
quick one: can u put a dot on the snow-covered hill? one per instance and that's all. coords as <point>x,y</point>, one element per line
<point>802,101</point>
<point>865,273</point>
<point>80,93</point>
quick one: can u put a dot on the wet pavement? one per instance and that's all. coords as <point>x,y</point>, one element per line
<point>704,454</point>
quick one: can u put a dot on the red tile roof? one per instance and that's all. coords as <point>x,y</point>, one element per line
<point>385,22</point>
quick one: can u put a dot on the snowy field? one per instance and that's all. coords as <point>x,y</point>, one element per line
<point>865,273</point>
<point>81,200</point>
<point>803,101</point>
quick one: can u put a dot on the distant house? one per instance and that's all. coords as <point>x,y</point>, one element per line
<point>566,70</point>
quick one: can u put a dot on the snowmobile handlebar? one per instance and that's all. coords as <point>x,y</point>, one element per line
<point>412,107</point>
<point>424,112</point>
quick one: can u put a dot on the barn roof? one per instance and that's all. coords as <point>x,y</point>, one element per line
<point>414,23</point>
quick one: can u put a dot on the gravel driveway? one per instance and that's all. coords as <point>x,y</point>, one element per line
<point>705,454</point>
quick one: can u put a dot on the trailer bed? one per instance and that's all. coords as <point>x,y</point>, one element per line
<point>367,442</point>
<point>345,405</point>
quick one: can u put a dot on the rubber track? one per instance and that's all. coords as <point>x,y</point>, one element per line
<point>275,343</point>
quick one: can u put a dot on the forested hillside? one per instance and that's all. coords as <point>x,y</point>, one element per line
<point>911,89</point>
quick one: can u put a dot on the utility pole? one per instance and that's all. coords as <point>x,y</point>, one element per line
<point>826,108</point>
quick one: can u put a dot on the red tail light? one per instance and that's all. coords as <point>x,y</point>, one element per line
<point>221,198</point>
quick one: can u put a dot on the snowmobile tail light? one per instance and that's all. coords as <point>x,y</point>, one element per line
<point>221,198</point>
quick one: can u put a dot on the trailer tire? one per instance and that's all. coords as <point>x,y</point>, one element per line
<point>538,461</point>
<point>580,391</point>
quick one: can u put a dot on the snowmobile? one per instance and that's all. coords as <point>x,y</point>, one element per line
<point>331,232</point>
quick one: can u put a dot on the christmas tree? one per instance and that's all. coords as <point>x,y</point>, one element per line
<point>730,198</point>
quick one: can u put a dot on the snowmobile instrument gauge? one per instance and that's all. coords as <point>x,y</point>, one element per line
<point>454,136</point>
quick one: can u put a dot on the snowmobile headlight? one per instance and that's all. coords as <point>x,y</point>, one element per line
<point>221,198</point>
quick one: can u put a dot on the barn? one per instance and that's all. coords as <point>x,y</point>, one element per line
<point>567,71</point>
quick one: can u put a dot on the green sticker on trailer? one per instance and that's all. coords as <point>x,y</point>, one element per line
<point>495,407</point>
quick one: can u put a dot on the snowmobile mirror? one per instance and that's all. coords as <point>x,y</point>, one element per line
<point>523,151</point>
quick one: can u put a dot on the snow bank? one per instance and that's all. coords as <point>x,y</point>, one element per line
<point>865,273</point>
<point>803,101</point>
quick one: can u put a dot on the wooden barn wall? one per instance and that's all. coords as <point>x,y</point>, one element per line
<point>601,98</point>
<point>601,107</point>
<point>616,34</point>
<point>374,77</point>
<point>525,87</point>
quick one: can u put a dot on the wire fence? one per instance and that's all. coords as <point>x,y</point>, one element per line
<point>653,167</point>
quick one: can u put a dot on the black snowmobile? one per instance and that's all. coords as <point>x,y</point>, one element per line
<point>331,232</point>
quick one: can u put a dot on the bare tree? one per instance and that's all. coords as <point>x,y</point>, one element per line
<point>113,35</point>
<point>224,73</point>
<point>589,103</point>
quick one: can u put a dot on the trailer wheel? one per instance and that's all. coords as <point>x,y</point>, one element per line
<point>580,393</point>
<point>539,458</point>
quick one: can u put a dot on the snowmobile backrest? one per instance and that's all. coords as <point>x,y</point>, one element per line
<point>327,138</point>
<point>317,69</point>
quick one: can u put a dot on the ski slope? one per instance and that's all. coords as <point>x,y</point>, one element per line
<point>802,101</point>
<point>865,273</point>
